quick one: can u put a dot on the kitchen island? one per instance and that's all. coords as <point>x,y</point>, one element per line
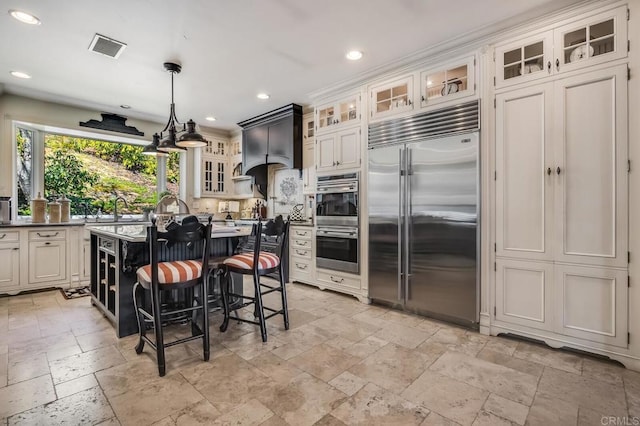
<point>118,250</point>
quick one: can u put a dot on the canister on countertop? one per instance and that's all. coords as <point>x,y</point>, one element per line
<point>54,212</point>
<point>38,209</point>
<point>65,208</point>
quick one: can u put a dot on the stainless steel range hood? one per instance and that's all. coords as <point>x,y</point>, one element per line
<point>272,138</point>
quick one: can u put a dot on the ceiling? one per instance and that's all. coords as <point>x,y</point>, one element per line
<point>229,50</point>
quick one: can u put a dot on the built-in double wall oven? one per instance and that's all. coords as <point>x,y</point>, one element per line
<point>337,235</point>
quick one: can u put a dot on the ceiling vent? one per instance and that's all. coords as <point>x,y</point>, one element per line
<point>106,46</point>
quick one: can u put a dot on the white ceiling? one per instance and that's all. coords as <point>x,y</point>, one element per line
<point>230,50</point>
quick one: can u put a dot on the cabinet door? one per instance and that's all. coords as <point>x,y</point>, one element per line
<point>9,265</point>
<point>325,156</point>
<point>524,183</point>
<point>524,60</point>
<point>309,169</point>
<point>592,303</point>
<point>391,98</point>
<point>348,149</point>
<point>591,168</point>
<point>447,83</point>
<point>213,176</point>
<point>591,40</point>
<point>523,293</point>
<point>85,273</point>
<point>47,261</point>
<point>308,129</point>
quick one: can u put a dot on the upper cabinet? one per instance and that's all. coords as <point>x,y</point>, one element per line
<point>337,114</point>
<point>215,168</point>
<point>391,97</point>
<point>449,82</point>
<point>308,128</point>
<point>582,42</point>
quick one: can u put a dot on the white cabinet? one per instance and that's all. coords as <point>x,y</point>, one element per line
<point>215,165</point>
<point>301,254</point>
<point>562,206</point>
<point>308,128</point>
<point>583,42</point>
<point>391,98</point>
<point>448,82</point>
<point>47,256</point>
<point>9,259</point>
<point>308,169</point>
<point>334,115</point>
<point>339,150</point>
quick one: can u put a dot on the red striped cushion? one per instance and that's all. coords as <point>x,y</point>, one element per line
<point>172,272</point>
<point>245,260</point>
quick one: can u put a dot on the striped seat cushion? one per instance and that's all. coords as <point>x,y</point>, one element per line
<point>245,261</point>
<point>172,272</point>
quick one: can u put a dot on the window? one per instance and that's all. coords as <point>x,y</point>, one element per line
<point>88,171</point>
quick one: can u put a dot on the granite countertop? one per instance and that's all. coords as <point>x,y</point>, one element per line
<point>138,232</point>
<point>29,224</point>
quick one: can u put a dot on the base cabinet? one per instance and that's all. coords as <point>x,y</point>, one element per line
<point>301,254</point>
<point>9,260</point>
<point>47,256</point>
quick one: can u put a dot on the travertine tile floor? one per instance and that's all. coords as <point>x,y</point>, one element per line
<point>342,362</point>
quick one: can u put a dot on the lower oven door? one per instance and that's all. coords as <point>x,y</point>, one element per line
<point>337,249</point>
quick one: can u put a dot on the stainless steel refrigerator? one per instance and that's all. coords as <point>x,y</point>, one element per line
<point>423,226</point>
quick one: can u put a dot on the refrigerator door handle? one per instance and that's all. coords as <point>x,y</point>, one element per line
<point>400,221</point>
<point>407,221</point>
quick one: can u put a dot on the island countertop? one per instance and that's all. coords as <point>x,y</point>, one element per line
<point>138,232</point>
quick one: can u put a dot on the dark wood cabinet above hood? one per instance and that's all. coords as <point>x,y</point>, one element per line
<point>272,138</point>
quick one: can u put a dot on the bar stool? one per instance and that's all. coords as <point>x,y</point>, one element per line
<point>186,275</point>
<point>258,264</point>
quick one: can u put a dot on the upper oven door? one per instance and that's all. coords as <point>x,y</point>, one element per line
<point>337,200</point>
<point>337,208</point>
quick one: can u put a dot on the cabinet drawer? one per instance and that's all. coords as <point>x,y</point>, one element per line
<point>299,264</point>
<point>48,235</point>
<point>107,245</point>
<point>301,233</point>
<point>338,279</point>
<point>300,243</point>
<point>305,253</point>
<point>9,236</point>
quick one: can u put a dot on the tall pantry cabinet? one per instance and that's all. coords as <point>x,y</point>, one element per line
<point>561,186</point>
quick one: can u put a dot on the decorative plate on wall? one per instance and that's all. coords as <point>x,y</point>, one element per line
<point>287,190</point>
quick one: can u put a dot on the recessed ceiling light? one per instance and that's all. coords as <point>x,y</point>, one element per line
<point>262,96</point>
<point>125,106</point>
<point>354,55</point>
<point>210,118</point>
<point>20,74</point>
<point>25,17</point>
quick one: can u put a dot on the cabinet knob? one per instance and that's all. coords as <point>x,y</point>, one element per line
<point>337,163</point>
<point>549,171</point>
<point>558,170</point>
<point>409,102</point>
<point>47,243</point>
<point>549,67</point>
<point>422,98</point>
<point>557,64</point>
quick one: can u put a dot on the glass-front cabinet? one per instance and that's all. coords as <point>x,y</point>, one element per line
<point>447,82</point>
<point>583,42</point>
<point>215,166</point>
<point>343,112</point>
<point>391,97</point>
<point>591,40</point>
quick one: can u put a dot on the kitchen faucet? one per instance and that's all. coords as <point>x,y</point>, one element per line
<point>115,206</point>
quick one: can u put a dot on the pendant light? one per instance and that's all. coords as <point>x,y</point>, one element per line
<point>190,138</point>
<point>152,148</point>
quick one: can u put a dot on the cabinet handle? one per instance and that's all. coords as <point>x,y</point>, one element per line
<point>47,235</point>
<point>549,67</point>
<point>334,163</point>
<point>557,64</point>
<point>302,234</point>
<point>337,163</point>
<point>16,248</point>
<point>558,171</point>
<point>3,235</point>
<point>47,243</point>
<point>302,243</point>
<point>422,98</point>
<point>340,281</point>
<point>301,253</point>
<point>409,102</point>
<point>299,266</point>
<point>549,171</point>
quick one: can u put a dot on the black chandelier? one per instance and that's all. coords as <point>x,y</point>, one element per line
<point>152,148</point>
<point>190,138</point>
